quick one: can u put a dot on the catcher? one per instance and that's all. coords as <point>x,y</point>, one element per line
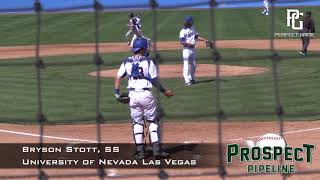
<point>142,75</point>
<point>188,38</point>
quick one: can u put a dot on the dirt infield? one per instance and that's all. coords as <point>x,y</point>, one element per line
<point>203,70</point>
<point>296,133</point>
<point>73,49</point>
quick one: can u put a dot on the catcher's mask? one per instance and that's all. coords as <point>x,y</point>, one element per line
<point>140,43</point>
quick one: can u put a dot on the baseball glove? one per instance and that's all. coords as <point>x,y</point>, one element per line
<point>209,44</point>
<point>124,98</point>
<point>168,93</point>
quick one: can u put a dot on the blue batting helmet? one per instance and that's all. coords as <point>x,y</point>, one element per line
<point>188,19</point>
<point>140,43</point>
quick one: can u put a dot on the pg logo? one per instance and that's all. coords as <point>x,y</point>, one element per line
<point>292,16</point>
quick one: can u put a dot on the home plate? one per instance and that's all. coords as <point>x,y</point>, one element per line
<point>112,172</point>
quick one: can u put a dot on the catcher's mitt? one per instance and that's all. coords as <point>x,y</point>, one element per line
<point>209,44</point>
<point>124,98</point>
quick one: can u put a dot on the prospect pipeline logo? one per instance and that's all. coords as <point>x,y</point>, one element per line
<point>264,156</point>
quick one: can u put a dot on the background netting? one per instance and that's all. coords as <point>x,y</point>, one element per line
<point>217,112</point>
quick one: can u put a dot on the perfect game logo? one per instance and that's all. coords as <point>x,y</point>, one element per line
<point>294,15</point>
<point>294,21</point>
<point>264,156</point>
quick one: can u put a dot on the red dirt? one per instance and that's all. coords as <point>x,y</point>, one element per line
<point>173,131</point>
<point>203,70</point>
<point>72,49</point>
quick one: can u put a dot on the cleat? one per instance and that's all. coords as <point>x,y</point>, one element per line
<point>302,53</point>
<point>191,83</point>
<point>139,155</point>
<point>158,153</point>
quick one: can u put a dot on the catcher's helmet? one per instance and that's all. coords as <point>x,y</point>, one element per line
<point>140,43</point>
<point>131,15</point>
<point>188,19</point>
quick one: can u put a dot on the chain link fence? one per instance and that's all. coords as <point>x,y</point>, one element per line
<point>220,114</point>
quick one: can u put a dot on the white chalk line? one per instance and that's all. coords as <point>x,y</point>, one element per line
<point>253,137</point>
<point>287,132</point>
<point>94,141</point>
<point>111,172</point>
<point>48,137</point>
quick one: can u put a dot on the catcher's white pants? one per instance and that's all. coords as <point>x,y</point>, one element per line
<point>142,105</point>
<point>189,64</point>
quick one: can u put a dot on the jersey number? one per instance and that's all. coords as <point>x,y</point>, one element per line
<point>141,71</point>
<point>137,72</point>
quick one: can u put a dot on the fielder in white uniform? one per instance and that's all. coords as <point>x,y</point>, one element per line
<point>129,32</point>
<point>142,76</point>
<point>135,28</point>
<point>188,38</point>
<point>266,8</point>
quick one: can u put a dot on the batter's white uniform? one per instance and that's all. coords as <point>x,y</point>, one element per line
<point>190,36</point>
<point>140,70</point>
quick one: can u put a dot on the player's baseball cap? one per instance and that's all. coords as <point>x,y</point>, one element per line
<point>139,44</point>
<point>188,19</point>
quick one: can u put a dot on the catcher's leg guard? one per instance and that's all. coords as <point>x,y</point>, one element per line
<point>138,135</point>
<point>153,132</point>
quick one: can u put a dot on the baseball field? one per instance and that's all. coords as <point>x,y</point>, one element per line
<point>247,93</point>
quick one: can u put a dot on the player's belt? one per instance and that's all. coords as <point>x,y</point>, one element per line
<point>143,89</point>
<point>189,46</point>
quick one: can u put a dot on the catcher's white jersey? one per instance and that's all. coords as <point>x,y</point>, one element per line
<point>188,35</point>
<point>140,70</point>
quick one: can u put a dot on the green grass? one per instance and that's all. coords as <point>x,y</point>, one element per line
<point>244,23</point>
<point>69,94</point>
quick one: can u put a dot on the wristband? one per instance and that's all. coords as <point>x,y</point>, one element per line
<point>162,89</point>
